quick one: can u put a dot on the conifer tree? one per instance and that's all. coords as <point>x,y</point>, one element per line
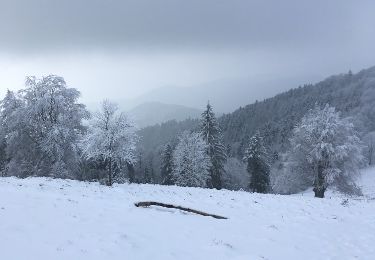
<point>211,134</point>
<point>256,157</point>
<point>167,165</point>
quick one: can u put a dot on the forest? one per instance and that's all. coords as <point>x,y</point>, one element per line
<point>312,136</point>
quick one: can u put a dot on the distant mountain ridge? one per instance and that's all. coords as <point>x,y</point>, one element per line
<point>225,94</point>
<point>152,113</point>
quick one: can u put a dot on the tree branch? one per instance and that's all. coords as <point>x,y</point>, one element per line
<point>153,203</point>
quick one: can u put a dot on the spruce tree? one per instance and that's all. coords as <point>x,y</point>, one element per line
<point>256,157</point>
<point>166,165</point>
<point>211,134</point>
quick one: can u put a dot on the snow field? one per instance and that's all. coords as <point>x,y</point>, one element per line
<point>43,218</point>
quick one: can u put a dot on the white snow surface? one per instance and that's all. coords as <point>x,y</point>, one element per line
<point>43,218</point>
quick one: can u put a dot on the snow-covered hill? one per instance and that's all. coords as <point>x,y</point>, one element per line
<point>56,219</point>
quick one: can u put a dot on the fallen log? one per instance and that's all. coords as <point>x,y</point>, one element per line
<point>171,206</point>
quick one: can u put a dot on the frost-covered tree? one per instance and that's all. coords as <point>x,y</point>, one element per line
<point>235,176</point>
<point>211,134</point>
<point>42,124</point>
<point>9,105</point>
<point>11,102</point>
<point>325,149</point>
<point>167,165</point>
<point>111,138</point>
<point>286,177</point>
<point>191,162</point>
<point>257,159</point>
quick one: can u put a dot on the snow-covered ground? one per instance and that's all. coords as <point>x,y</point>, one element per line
<point>56,219</point>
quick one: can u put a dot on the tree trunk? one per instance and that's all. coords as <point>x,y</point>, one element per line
<point>215,179</point>
<point>371,152</point>
<point>131,172</point>
<point>110,181</point>
<point>319,192</point>
<point>319,185</point>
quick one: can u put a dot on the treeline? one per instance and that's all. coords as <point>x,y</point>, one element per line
<point>46,132</point>
<point>275,119</point>
<point>316,135</point>
<point>325,149</point>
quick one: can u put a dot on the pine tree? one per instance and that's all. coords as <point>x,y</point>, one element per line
<point>211,134</point>
<point>257,158</point>
<point>167,165</point>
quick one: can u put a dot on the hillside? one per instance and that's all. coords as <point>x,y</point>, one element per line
<point>44,218</point>
<point>352,94</point>
<point>152,113</point>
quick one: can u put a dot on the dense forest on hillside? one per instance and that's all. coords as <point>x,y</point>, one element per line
<point>275,117</point>
<point>351,94</point>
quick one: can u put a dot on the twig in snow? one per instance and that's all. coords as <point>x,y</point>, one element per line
<point>154,203</point>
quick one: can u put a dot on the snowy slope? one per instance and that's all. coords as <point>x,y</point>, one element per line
<point>55,219</point>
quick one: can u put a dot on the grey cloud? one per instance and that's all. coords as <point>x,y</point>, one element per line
<point>173,24</point>
<point>135,46</point>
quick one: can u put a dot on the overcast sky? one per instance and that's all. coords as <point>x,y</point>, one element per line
<point>121,48</point>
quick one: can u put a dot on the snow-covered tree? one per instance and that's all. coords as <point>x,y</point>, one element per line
<point>235,176</point>
<point>257,159</point>
<point>287,177</point>
<point>167,165</point>
<point>9,105</point>
<point>42,125</point>
<point>325,149</point>
<point>191,162</point>
<point>211,134</point>
<point>111,138</point>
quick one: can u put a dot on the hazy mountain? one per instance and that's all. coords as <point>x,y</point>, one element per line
<point>152,113</point>
<point>225,95</point>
